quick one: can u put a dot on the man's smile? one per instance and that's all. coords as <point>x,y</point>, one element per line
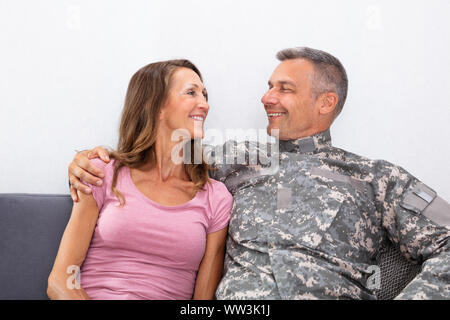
<point>275,115</point>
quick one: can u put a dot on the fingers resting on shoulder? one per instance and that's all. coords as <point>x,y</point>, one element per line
<point>81,168</point>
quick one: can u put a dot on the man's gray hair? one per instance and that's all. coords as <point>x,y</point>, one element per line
<point>329,73</point>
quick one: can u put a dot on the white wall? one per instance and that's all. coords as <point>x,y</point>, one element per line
<point>65,65</point>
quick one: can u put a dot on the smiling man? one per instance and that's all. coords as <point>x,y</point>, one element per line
<point>312,229</point>
<point>293,104</point>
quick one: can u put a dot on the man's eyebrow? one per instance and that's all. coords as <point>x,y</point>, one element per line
<point>283,82</point>
<point>290,83</point>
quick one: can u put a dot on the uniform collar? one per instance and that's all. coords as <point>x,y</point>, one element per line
<point>308,144</point>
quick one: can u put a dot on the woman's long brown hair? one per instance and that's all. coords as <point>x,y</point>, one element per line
<point>146,95</point>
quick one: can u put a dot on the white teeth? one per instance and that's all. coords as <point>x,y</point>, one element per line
<point>275,114</point>
<point>197,118</point>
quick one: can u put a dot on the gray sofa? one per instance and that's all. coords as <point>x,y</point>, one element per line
<point>31,226</point>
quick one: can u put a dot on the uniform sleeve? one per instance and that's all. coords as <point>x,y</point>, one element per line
<point>98,192</point>
<point>221,204</point>
<point>234,156</point>
<point>417,219</point>
<point>222,159</point>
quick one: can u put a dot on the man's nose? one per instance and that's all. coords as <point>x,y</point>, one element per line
<point>269,98</point>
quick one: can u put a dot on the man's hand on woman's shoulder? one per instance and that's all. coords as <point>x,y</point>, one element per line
<point>82,168</point>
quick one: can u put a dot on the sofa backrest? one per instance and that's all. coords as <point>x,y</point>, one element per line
<point>31,227</point>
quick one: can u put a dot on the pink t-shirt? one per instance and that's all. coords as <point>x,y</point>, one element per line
<point>146,250</point>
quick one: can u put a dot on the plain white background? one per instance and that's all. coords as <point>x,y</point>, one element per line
<point>65,66</point>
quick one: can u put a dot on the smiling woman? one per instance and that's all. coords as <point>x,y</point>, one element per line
<point>161,98</point>
<point>154,229</point>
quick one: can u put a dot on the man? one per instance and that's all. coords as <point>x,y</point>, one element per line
<point>312,229</point>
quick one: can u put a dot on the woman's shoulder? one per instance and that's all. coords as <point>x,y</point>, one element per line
<point>215,184</point>
<point>218,190</point>
<point>106,167</point>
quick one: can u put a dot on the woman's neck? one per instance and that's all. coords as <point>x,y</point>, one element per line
<point>168,154</point>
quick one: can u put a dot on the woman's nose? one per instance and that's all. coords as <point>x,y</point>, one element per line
<point>204,105</point>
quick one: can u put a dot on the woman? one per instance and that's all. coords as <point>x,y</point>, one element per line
<point>154,229</point>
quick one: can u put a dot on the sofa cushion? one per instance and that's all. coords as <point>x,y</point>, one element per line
<point>31,227</point>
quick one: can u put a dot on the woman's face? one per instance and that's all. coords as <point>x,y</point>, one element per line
<point>186,106</point>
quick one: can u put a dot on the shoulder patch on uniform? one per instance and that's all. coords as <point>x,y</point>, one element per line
<point>438,211</point>
<point>423,200</point>
<point>418,198</point>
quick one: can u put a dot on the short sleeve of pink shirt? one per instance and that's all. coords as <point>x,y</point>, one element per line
<point>221,203</point>
<point>145,250</point>
<point>98,192</point>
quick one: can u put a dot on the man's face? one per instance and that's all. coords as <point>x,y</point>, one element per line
<point>289,102</point>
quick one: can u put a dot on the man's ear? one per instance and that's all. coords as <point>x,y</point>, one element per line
<point>328,102</point>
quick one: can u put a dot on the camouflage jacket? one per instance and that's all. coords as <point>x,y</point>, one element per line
<point>309,223</point>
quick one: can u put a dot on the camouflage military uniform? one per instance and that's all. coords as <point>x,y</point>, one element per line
<point>312,228</point>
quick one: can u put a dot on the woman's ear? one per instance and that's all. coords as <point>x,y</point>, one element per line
<point>161,115</point>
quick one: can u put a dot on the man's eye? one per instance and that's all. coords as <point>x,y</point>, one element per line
<point>191,92</point>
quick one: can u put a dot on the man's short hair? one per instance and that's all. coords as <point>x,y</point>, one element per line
<point>329,73</point>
